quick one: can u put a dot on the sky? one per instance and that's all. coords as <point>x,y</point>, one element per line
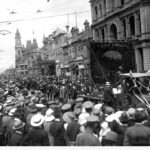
<point>34,19</point>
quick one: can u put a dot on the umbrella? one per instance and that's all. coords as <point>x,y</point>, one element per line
<point>113,55</point>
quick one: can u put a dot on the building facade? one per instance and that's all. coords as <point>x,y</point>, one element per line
<point>127,21</point>
<point>68,50</point>
<point>26,57</point>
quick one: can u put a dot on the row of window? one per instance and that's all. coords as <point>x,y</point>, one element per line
<point>106,6</point>
<point>130,26</point>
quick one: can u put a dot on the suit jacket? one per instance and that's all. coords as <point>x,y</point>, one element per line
<point>36,137</point>
<point>137,135</point>
<point>87,139</point>
<point>15,139</point>
<point>57,130</point>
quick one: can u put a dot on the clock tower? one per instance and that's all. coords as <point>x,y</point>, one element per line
<point>18,45</point>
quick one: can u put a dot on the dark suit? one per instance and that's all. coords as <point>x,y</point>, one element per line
<point>137,135</point>
<point>57,130</point>
<point>15,139</point>
<point>36,137</point>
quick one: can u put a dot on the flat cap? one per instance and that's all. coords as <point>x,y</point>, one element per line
<point>80,99</point>
<point>66,106</point>
<point>92,118</point>
<point>88,104</point>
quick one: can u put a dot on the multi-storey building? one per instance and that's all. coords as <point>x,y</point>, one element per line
<point>127,21</point>
<point>68,50</point>
<point>26,57</point>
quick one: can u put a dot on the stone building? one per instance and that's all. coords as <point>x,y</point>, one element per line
<point>26,57</point>
<point>126,21</point>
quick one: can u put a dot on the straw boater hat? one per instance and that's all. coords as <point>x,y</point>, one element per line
<point>12,111</point>
<point>37,120</point>
<point>18,125</point>
<point>49,115</point>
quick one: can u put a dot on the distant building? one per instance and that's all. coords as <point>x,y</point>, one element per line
<point>68,51</point>
<point>26,57</point>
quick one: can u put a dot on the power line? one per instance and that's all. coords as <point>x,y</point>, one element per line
<point>38,18</point>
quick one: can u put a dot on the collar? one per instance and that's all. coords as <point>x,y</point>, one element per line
<point>57,119</point>
<point>139,124</point>
<point>19,132</point>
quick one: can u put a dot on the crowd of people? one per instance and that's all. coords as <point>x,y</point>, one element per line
<point>54,112</point>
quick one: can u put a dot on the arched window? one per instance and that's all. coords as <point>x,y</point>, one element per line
<point>113,32</point>
<point>132,25</point>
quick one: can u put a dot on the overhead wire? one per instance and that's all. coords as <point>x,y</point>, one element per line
<point>44,17</point>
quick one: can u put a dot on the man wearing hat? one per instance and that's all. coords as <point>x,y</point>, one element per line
<point>87,138</point>
<point>111,139</point>
<point>88,106</point>
<point>36,135</point>
<point>108,95</point>
<point>137,135</point>
<point>8,122</point>
<point>31,111</point>
<point>18,134</point>
<point>49,118</point>
<point>57,129</point>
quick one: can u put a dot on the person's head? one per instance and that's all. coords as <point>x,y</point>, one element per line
<point>111,139</point>
<point>91,122</point>
<point>139,116</point>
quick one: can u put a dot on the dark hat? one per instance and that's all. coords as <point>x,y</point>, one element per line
<point>109,110</point>
<point>66,107</point>
<point>88,104</point>
<point>51,103</point>
<point>18,124</point>
<point>31,108</point>
<point>24,92</point>
<point>111,136</point>
<point>92,118</point>
<point>124,118</point>
<point>58,104</point>
<point>139,116</point>
<point>140,105</point>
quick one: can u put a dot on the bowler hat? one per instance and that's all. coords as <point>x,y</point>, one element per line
<point>18,124</point>
<point>124,118</point>
<point>31,108</point>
